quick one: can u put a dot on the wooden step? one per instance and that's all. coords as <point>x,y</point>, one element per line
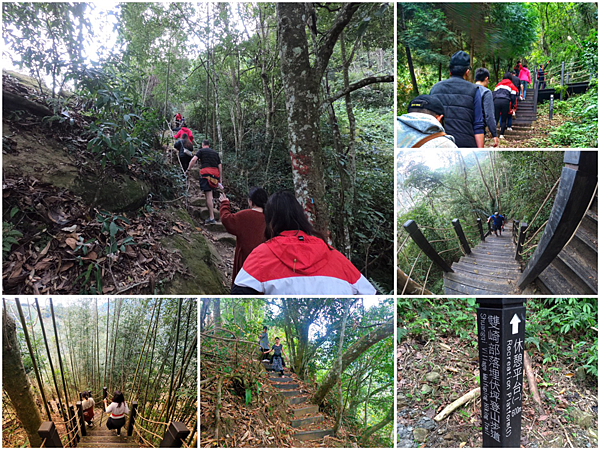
<point>99,432</point>
<point>312,434</point>
<point>285,387</point>
<point>291,393</point>
<point>307,421</point>
<point>464,286</point>
<point>485,271</point>
<point>484,263</point>
<point>309,409</point>
<point>296,400</point>
<point>482,282</point>
<point>106,445</point>
<point>551,282</point>
<point>113,438</point>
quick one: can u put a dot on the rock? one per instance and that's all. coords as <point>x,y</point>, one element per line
<point>401,400</point>
<point>580,373</point>
<point>582,419</point>
<point>420,434</point>
<point>225,238</point>
<point>426,389</point>
<point>433,377</point>
<point>449,436</point>
<point>593,435</point>
<point>461,436</point>
<point>426,422</point>
<point>198,201</point>
<point>117,193</point>
<point>405,436</point>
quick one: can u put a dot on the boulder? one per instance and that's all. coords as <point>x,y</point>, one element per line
<point>427,423</point>
<point>582,418</point>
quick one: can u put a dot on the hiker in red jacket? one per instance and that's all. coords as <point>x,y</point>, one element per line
<point>505,96</point>
<point>295,259</point>
<point>185,130</point>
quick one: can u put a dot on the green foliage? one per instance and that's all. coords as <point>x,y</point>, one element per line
<point>10,237</point>
<point>565,328</point>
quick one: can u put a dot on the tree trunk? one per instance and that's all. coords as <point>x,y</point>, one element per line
<point>340,411</point>
<point>217,311</point>
<point>350,355</point>
<point>483,178</point>
<point>375,428</point>
<point>411,67</point>
<point>16,383</point>
<point>301,83</point>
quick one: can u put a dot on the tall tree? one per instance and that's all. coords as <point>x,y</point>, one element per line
<point>302,84</point>
<point>16,383</point>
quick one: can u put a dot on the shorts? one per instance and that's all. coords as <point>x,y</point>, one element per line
<point>204,185</point>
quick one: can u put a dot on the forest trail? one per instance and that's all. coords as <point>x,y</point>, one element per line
<point>490,269</point>
<point>99,436</point>
<point>306,417</point>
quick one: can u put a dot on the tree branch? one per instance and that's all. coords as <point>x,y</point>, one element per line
<point>359,85</point>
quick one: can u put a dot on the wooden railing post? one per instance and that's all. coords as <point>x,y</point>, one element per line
<point>81,419</point>
<point>480,226</point>
<point>74,423</point>
<point>104,395</point>
<point>175,435</point>
<point>515,231</point>
<point>413,230</point>
<point>578,182</point>
<point>48,432</point>
<point>521,240</point>
<point>536,85</point>
<point>132,416</point>
<point>461,236</point>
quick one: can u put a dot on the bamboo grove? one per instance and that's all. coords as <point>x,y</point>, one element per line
<point>146,348</point>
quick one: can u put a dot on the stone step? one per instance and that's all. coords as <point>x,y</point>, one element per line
<point>285,387</point>
<point>307,421</point>
<point>296,400</point>
<point>99,432</point>
<point>216,227</point>
<point>203,214</point>
<point>277,378</point>
<point>310,409</point>
<point>312,434</point>
<point>225,238</point>
<point>199,202</point>
<point>291,393</point>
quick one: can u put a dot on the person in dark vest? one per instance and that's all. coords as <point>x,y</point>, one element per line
<point>462,103</point>
<point>423,125</point>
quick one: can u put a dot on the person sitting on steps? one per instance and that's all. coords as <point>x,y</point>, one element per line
<point>248,226</point>
<point>278,354</point>
<point>118,410</point>
<point>211,174</point>
<point>296,259</point>
<point>88,408</point>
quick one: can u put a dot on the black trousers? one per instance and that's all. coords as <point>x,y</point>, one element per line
<point>501,108</point>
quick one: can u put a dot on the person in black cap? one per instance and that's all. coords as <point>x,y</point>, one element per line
<point>423,126</point>
<point>462,103</point>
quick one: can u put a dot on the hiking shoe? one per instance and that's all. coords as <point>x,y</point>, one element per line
<point>509,129</point>
<point>209,221</point>
<point>501,136</point>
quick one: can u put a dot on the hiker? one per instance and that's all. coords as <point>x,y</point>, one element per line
<point>517,68</point>
<point>117,409</point>
<point>482,80</point>
<point>542,76</point>
<point>525,77</point>
<point>504,97</point>
<point>185,148</point>
<point>263,343</point>
<point>248,226</point>
<point>183,130</point>
<point>462,103</point>
<point>296,259</point>
<point>178,119</point>
<point>512,113</point>
<point>497,223</point>
<point>278,355</point>
<point>423,125</point>
<point>211,172</point>
<point>88,408</point>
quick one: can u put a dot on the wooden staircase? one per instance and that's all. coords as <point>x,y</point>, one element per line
<point>490,268</point>
<point>525,116</point>
<point>575,269</point>
<point>306,417</point>
<point>99,436</point>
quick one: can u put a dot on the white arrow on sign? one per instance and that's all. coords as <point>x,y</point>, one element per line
<point>515,321</point>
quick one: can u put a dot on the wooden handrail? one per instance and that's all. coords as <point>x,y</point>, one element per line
<point>413,230</point>
<point>461,236</point>
<point>521,238</point>
<point>576,190</point>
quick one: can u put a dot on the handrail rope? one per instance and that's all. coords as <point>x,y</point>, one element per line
<point>441,240</point>
<point>75,436</point>
<point>425,227</point>
<point>543,204</point>
<point>404,242</point>
<point>43,444</point>
<point>184,444</point>
<point>151,421</point>
<point>528,250</point>
<point>449,250</point>
<point>64,422</point>
<point>411,271</point>
<point>426,277</point>
<point>405,257</point>
<point>141,437</point>
<point>150,432</point>
<point>526,244</point>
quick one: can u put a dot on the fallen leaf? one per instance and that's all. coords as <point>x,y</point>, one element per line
<point>70,229</point>
<point>46,248</point>
<point>91,256</point>
<point>542,418</point>
<point>177,229</point>
<point>462,444</point>
<point>43,264</point>
<point>569,375</point>
<point>71,243</point>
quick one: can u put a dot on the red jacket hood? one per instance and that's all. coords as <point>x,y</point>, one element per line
<point>507,83</point>
<point>300,252</point>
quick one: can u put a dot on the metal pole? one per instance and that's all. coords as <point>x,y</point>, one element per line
<point>562,77</point>
<point>501,336</point>
<point>551,105</point>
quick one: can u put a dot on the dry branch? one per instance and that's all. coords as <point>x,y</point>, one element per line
<point>533,384</point>
<point>457,404</point>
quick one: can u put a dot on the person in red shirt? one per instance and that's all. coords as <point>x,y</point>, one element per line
<point>248,226</point>
<point>183,131</point>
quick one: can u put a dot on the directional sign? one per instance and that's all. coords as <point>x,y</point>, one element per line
<point>501,346</point>
<point>515,321</point>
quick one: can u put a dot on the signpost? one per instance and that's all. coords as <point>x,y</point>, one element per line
<point>501,333</point>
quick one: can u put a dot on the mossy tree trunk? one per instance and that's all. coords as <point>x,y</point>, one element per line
<point>16,383</point>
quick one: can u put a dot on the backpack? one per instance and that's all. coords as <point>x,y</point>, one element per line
<point>429,138</point>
